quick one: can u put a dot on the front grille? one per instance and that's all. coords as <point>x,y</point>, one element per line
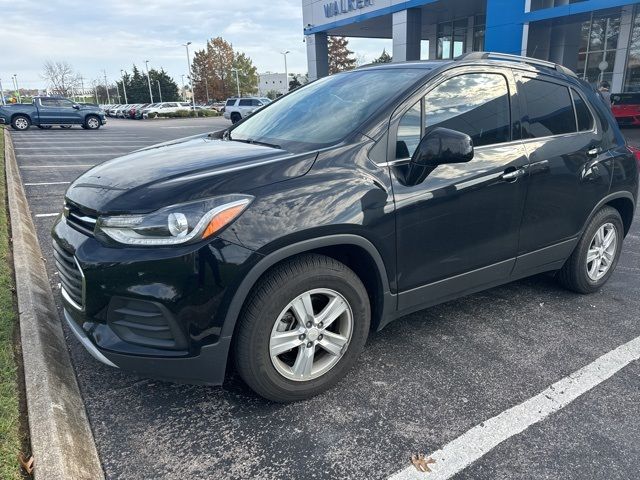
<point>80,219</point>
<point>71,277</point>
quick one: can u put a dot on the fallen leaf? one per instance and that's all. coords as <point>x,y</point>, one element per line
<point>421,463</point>
<point>27,464</point>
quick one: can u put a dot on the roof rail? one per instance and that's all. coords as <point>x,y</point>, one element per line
<point>515,58</point>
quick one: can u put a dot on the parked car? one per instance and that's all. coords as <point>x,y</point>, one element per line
<point>48,111</point>
<point>236,109</point>
<point>626,108</point>
<point>136,111</point>
<point>280,242</point>
<point>164,107</point>
<point>112,110</point>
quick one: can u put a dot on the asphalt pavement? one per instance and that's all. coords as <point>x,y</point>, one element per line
<point>421,383</point>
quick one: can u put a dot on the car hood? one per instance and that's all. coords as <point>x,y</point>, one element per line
<point>182,171</point>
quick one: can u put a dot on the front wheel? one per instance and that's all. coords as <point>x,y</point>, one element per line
<point>596,255</point>
<point>235,117</point>
<point>65,127</point>
<point>20,122</point>
<point>92,122</point>
<point>302,328</point>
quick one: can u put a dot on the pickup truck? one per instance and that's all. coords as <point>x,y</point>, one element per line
<point>44,112</point>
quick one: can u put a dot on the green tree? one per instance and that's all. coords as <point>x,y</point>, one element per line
<point>340,57</point>
<point>247,74</point>
<point>294,83</point>
<point>273,94</point>
<point>168,86</point>
<point>384,57</point>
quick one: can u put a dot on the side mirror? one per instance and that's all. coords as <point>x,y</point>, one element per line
<point>438,147</point>
<point>76,106</point>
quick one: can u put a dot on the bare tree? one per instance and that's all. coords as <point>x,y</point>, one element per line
<point>61,77</point>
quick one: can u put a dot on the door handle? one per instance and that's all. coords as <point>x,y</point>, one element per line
<point>513,175</point>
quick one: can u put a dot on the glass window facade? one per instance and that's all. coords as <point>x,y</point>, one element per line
<point>598,42</point>
<point>632,76</point>
<point>451,38</point>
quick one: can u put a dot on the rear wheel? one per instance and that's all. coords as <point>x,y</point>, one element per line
<point>66,127</point>
<point>302,328</point>
<point>596,255</point>
<point>20,122</point>
<point>92,122</point>
<point>235,117</point>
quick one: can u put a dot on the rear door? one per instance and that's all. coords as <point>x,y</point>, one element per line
<point>48,111</point>
<point>569,172</point>
<point>458,230</point>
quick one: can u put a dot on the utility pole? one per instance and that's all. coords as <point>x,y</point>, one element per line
<point>206,86</point>
<point>193,93</point>
<point>1,93</point>
<point>124,87</point>
<point>183,89</point>
<point>149,80</point>
<point>286,73</point>
<point>118,91</point>
<point>237,80</point>
<point>95,92</point>
<point>159,91</point>
<point>82,86</point>
<point>106,87</point>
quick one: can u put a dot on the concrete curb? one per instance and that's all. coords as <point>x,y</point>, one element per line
<point>61,438</point>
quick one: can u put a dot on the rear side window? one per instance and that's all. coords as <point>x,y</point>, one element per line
<point>230,102</point>
<point>548,109</point>
<point>583,115</point>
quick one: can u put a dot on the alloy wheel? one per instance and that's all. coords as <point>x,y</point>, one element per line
<point>311,334</point>
<point>21,123</point>
<point>602,251</point>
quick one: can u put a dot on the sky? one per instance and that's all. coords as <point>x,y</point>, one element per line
<point>111,35</point>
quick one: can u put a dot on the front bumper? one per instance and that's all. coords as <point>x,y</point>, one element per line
<point>158,312</point>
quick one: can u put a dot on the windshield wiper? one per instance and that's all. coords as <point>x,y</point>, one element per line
<point>256,142</point>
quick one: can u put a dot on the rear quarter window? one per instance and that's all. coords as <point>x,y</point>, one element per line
<point>583,115</point>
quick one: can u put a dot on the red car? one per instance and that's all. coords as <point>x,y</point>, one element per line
<point>626,108</point>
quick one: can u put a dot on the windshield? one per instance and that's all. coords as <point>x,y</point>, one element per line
<point>325,111</point>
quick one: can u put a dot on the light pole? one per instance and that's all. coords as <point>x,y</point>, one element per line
<point>237,80</point>
<point>146,62</point>
<point>193,93</point>
<point>82,87</point>
<point>106,87</point>
<point>183,89</point>
<point>1,93</point>
<point>124,87</point>
<point>286,72</point>
<point>15,80</point>
<point>206,86</point>
<point>118,92</point>
<point>159,91</point>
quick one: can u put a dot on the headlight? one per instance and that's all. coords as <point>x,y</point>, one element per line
<point>177,224</point>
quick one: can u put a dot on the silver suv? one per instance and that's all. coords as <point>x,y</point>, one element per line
<point>235,109</point>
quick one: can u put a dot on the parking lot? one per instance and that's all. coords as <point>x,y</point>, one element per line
<point>422,382</point>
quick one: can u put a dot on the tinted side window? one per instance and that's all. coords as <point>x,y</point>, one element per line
<point>245,103</point>
<point>585,120</point>
<point>476,104</point>
<point>255,102</point>
<point>548,109</point>
<point>65,103</point>
<point>230,102</point>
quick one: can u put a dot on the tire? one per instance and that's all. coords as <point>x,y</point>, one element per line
<point>235,117</point>
<point>92,122</point>
<point>267,313</point>
<point>65,127</point>
<point>20,122</point>
<point>583,276</point>
<point>44,127</point>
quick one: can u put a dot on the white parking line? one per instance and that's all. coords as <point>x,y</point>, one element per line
<point>481,439</point>
<point>73,165</point>
<point>66,154</point>
<point>42,215</point>
<point>38,184</point>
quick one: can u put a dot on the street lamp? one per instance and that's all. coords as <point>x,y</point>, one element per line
<point>106,87</point>
<point>15,80</point>
<point>159,91</point>
<point>193,93</point>
<point>183,89</point>
<point>1,93</point>
<point>124,87</point>
<point>149,80</point>
<point>237,80</point>
<point>286,73</point>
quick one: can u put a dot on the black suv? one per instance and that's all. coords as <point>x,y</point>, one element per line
<point>361,197</point>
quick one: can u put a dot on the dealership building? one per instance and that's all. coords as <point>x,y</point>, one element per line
<point>598,39</point>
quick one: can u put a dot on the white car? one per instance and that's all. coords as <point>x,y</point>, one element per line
<point>164,107</point>
<point>237,108</point>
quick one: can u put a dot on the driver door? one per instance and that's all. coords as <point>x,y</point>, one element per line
<point>457,230</point>
<point>67,115</point>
